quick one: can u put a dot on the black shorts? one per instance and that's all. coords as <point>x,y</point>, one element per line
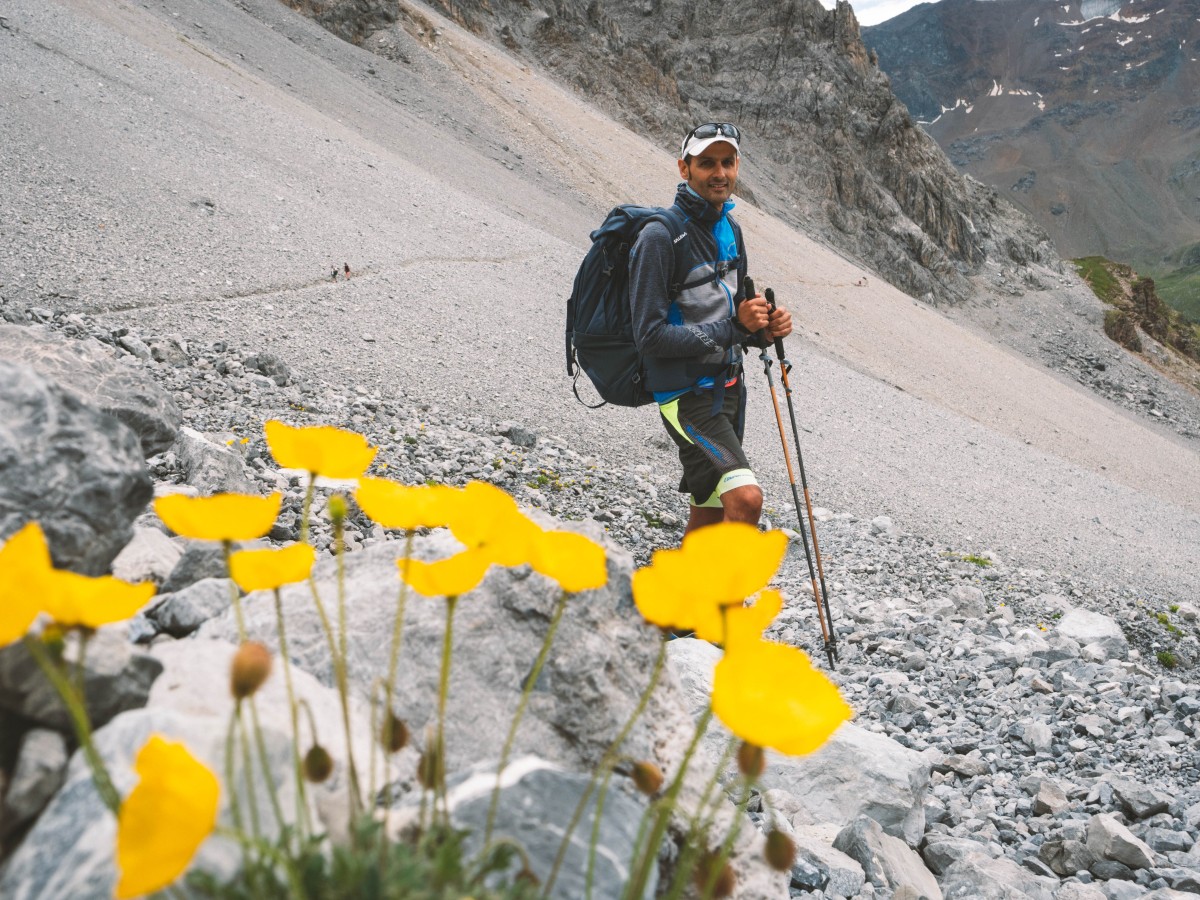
<point>710,446</point>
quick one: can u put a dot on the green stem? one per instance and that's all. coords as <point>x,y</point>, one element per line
<point>637,884</point>
<point>303,825</point>
<point>727,845</point>
<point>591,859</point>
<point>281,859</point>
<point>555,619</point>
<point>607,761</point>
<point>339,553</point>
<point>235,807</point>
<point>265,763</point>
<point>701,822</point>
<point>247,772</point>
<point>307,509</point>
<point>443,690</point>
<point>343,689</point>
<point>398,623</point>
<point>77,711</point>
<point>235,594</point>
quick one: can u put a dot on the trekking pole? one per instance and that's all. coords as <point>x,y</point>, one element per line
<point>820,599</point>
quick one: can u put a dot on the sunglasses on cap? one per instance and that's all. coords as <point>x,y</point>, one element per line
<point>711,130</point>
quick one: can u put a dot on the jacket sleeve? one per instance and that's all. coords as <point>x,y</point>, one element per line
<point>650,277</point>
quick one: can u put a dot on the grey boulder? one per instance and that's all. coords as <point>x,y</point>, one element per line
<point>76,471</point>
<point>87,370</point>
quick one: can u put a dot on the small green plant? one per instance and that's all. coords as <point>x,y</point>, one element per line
<point>1168,659</point>
<point>497,463</point>
<point>1163,618</point>
<point>976,560</point>
<point>1174,607</point>
<point>409,439</point>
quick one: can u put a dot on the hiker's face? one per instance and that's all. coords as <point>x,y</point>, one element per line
<point>712,173</point>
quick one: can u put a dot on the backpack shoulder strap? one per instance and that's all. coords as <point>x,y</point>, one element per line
<point>676,224</point>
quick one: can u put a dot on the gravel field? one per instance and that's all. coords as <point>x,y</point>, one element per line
<point>198,169</point>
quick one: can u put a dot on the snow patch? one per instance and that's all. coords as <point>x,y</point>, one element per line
<point>1124,40</point>
<point>1036,20</point>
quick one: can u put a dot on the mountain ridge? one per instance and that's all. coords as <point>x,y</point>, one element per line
<point>1085,115</point>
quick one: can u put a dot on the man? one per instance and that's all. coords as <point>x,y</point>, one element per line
<point>690,328</point>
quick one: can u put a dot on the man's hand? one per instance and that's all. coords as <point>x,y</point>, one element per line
<point>780,323</point>
<point>753,314</point>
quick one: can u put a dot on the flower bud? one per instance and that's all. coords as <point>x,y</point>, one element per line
<point>251,666</point>
<point>337,509</point>
<point>429,767</point>
<point>648,777</point>
<point>318,764</point>
<point>751,760</point>
<point>780,851</point>
<point>725,881</point>
<point>54,640</point>
<point>393,735</point>
<point>526,876</point>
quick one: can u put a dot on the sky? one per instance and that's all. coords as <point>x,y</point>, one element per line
<point>872,12</point>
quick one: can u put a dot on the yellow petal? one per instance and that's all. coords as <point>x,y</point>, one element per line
<point>395,505</point>
<point>488,519</point>
<point>716,567</point>
<point>25,569</point>
<point>574,561</point>
<point>746,624</point>
<point>450,577</point>
<point>770,695</point>
<point>165,818</point>
<point>78,601</point>
<point>320,449</point>
<point>263,570</point>
<point>657,595</point>
<point>731,561</point>
<point>221,517</point>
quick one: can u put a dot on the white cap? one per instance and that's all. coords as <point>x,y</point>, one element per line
<point>693,145</point>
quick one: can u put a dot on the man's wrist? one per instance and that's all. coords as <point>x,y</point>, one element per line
<point>742,329</point>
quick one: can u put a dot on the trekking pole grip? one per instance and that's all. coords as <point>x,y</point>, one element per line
<point>769,293</point>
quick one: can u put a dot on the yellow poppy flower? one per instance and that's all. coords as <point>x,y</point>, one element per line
<point>319,449</point>
<point>78,601</point>
<point>770,695</point>
<point>488,520</point>
<point>574,561</point>
<point>451,577</point>
<point>165,818</point>
<point>25,569</point>
<point>264,570</point>
<point>221,517</point>
<point>746,624</point>
<point>395,505</point>
<point>717,566</point>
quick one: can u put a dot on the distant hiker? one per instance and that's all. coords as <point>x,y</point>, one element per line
<point>346,269</point>
<point>690,327</point>
<point>333,274</point>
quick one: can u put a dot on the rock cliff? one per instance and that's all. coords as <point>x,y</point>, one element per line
<point>829,147</point>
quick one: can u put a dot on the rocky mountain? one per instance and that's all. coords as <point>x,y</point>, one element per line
<point>829,148</point>
<point>1083,112</point>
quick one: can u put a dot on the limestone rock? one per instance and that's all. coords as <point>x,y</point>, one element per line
<point>149,556</point>
<point>1109,839</point>
<point>88,370</point>
<point>39,773</point>
<point>210,467</point>
<point>116,678</point>
<point>73,469</point>
<point>887,862</point>
<point>1086,627</point>
<point>978,877</point>
<point>184,611</point>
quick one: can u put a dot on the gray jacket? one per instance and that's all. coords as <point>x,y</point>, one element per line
<point>694,334</point>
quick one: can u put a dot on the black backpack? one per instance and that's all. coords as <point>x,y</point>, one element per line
<point>599,319</point>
